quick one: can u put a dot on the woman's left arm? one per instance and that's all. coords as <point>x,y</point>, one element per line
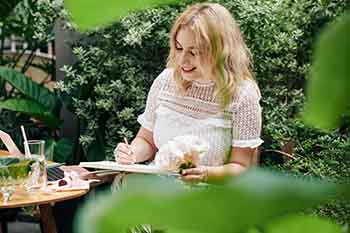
<point>246,129</point>
<point>241,159</point>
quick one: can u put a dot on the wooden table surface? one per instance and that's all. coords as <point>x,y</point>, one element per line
<point>4,153</point>
<point>20,198</point>
<point>45,200</point>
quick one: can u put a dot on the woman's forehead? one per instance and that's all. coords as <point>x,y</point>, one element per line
<point>186,37</point>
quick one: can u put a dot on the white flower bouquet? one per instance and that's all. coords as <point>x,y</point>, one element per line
<point>181,152</point>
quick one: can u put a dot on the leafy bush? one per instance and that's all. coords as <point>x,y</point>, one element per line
<point>108,85</point>
<point>23,101</point>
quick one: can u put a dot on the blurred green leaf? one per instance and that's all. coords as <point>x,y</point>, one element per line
<point>28,87</point>
<point>95,151</point>
<point>31,108</point>
<point>250,200</point>
<point>59,151</point>
<point>6,7</point>
<point>63,150</point>
<point>329,85</point>
<point>89,14</point>
<point>302,224</point>
<point>49,148</point>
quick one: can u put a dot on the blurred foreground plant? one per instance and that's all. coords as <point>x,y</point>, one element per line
<point>257,199</point>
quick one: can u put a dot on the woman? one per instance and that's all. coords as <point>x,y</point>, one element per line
<point>208,91</point>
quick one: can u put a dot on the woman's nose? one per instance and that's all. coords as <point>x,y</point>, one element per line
<point>184,58</point>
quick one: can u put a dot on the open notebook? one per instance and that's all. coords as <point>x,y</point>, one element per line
<point>134,168</point>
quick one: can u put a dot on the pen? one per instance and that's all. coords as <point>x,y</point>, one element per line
<point>126,141</point>
<point>130,152</point>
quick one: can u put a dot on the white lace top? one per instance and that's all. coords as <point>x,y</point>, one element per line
<point>168,114</point>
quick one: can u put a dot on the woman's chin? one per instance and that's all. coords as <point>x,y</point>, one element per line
<point>189,75</point>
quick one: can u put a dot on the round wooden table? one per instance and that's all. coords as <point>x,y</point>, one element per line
<point>4,153</point>
<point>20,198</point>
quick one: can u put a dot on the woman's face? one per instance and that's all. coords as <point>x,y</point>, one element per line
<point>188,55</point>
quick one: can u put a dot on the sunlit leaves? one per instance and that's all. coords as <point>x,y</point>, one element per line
<point>31,108</point>
<point>28,87</point>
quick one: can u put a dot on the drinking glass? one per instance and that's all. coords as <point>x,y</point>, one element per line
<point>39,173</point>
<point>14,172</point>
<point>7,187</point>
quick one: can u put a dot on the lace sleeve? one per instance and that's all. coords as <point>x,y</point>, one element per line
<point>246,120</point>
<point>147,118</point>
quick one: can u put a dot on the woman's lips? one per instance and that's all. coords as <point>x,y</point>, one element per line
<point>186,70</point>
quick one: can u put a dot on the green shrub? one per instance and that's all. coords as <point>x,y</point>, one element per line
<point>32,22</point>
<point>23,101</point>
<point>108,85</point>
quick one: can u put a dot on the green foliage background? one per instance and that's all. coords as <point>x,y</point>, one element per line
<point>107,87</point>
<point>26,102</point>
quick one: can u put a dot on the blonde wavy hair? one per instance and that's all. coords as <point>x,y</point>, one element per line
<point>219,40</point>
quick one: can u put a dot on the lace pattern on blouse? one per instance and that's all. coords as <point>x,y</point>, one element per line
<point>168,114</point>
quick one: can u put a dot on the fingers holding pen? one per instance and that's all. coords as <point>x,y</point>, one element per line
<point>124,154</point>
<point>125,149</point>
<point>125,160</point>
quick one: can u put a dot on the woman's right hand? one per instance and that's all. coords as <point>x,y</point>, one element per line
<point>124,154</point>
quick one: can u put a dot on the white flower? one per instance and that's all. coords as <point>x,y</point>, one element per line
<point>180,150</point>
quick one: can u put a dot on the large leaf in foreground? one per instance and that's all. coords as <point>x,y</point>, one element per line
<point>328,89</point>
<point>89,14</point>
<point>28,87</point>
<point>302,224</point>
<point>249,200</point>
<point>33,109</point>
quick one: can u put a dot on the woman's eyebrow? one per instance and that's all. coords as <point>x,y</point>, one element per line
<point>191,47</point>
<point>178,43</point>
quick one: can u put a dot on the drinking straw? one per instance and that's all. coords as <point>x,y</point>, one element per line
<point>26,146</point>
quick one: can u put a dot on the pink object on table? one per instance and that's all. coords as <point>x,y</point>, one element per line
<point>71,181</point>
<point>9,143</point>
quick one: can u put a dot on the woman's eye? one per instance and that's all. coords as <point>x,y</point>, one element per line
<point>178,48</point>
